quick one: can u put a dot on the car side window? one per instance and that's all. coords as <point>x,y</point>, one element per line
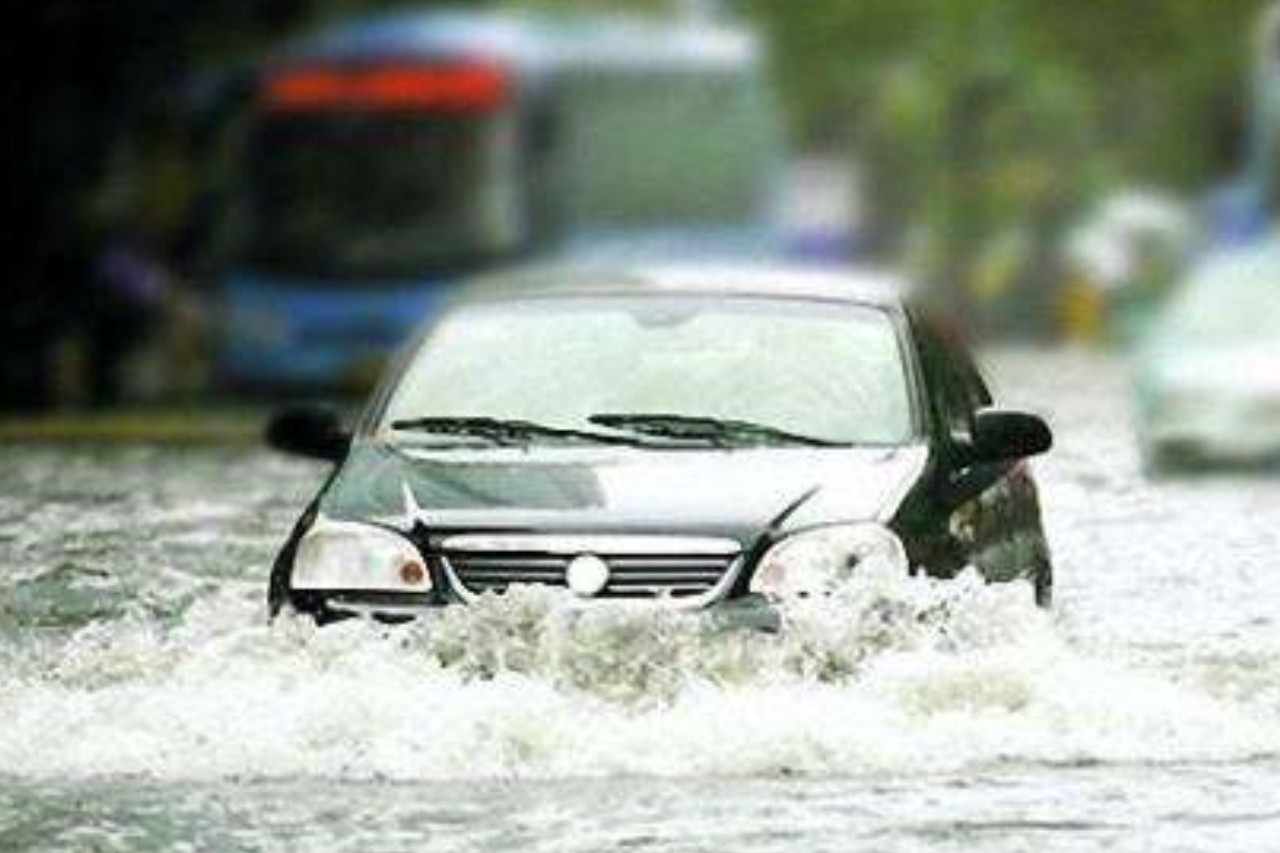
<point>958,390</point>
<point>974,388</point>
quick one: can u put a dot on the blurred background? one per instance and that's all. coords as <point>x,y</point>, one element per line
<point>215,205</point>
<point>211,202</point>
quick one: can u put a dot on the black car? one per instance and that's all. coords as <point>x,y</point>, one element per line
<point>682,438</point>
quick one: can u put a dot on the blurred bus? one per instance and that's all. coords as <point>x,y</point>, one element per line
<point>388,157</point>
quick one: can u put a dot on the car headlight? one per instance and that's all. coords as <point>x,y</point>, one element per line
<point>817,561</point>
<point>352,556</point>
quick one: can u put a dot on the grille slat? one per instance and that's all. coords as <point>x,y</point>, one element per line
<point>668,578</point>
<point>621,564</point>
<point>508,571</point>
<point>502,561</point>
<point>656,592</point>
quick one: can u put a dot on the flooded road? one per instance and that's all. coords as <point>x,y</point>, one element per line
<point>145,705</point>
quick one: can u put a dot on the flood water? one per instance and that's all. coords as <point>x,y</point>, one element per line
<point>146,705</point>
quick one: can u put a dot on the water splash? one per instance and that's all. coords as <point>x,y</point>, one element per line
<point>891,673</point>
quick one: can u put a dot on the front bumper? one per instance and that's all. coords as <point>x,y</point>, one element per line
<point>1208,424</point>
<point>1225,434</point>
<point>294,334</point>
<point>749,612</point>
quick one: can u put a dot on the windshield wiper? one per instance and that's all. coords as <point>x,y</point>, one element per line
<point>724,432</point>
<point>503,431</point>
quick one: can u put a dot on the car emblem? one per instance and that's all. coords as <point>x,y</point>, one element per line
<point>587,575</point>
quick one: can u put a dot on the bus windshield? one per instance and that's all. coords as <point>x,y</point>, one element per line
<point>352,195</point>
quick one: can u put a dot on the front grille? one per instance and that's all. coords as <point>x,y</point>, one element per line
<point>648,572</point>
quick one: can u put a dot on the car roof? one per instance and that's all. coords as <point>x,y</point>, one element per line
<point>860,286</point>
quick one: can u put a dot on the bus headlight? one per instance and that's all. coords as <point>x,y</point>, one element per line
<point>344,555</point>
<point>817,561</point>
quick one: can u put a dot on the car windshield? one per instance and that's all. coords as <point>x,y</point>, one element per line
<point>1236,306</point>
<point>821,372</point>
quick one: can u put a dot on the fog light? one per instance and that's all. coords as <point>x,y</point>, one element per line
<point>412,572</point>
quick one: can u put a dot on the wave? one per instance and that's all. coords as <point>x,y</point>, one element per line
<point>891,674</point>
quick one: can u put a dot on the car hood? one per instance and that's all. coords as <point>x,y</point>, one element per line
<point>728,493</point>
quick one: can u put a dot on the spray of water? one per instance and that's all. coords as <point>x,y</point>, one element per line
<point>891,672</point>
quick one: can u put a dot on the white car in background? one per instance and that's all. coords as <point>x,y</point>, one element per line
<point>1208,373</point>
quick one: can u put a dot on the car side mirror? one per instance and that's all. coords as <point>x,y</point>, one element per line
<point>311,429</point>
<point>1000,435</point>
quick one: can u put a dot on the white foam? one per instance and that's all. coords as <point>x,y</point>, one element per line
<point>894,674</point>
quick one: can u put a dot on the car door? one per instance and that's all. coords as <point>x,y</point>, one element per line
<point>980,514</point>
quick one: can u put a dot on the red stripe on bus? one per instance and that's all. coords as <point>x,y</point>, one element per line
<point>458,87</point>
